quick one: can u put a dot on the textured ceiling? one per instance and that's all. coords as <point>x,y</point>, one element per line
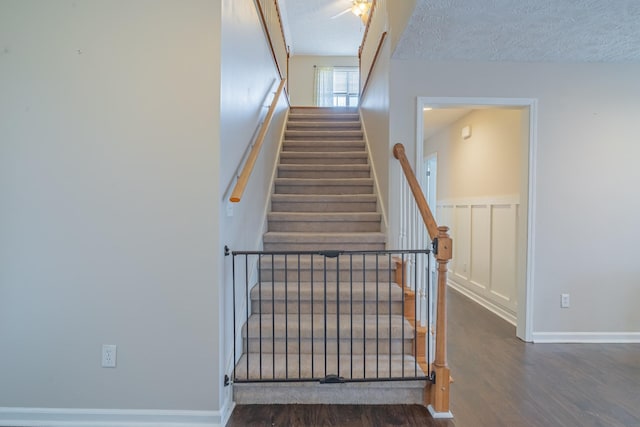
<point>310,29</point>
<point>523,30</point>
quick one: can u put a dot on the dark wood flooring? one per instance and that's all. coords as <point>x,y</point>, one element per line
<point>499,381</point>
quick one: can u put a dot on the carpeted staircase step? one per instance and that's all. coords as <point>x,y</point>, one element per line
<point>356,267</point>
<point>324,134</point>
<point>306,117</point>
<point>358,367</point>
<point>355,393</point>
<point>292,241</point>
<point>324,125</point>
<point>321,221</point>
<point>323,157</point>
<point>323,203</point>
<point>337,333</point>
<point>323,186</point>
<point>324,171</point>
<point>314,297</point>
<point>317,145</point>
<point>318,325</point>
<point>323,110</point>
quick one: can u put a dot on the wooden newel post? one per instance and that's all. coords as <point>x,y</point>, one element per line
<point>438,398</point>
<point>440,391</point>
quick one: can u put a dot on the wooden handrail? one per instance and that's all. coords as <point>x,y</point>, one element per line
<point>374,3</point>
<point>443,252</point>
<point>243,178</point>
<point>383,36</point>
<point>423,206</point>
<point>265,25</point>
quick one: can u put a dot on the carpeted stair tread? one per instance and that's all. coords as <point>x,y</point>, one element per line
<point>347,291</point>
<point>308,325</point>
<point>365,237</point>
<point>325,216</point>
<point>364,366</point>
<point>323,203</point>
<point>325,125</point>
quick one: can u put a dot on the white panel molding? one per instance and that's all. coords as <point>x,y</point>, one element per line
<point>488,304</point>
<point>507,199</point>
<point>587,337</point>
<point>466,256</point>
<point>57,417</point>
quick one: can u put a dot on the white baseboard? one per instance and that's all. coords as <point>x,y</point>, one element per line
<point>494,308</point>
<point>586,337</point>
<point>57,417</point>
<point>439,415</point>
<point>226,411</point>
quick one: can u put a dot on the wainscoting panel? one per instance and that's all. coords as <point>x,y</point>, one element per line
<point>484,233</point>
<point>480,245</point>
<point>503,254</point>
<point>462,250</point>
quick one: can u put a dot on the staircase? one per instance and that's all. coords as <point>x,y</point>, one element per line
<point>314,316</point>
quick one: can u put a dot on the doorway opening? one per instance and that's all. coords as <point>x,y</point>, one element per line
<point>484,150</point>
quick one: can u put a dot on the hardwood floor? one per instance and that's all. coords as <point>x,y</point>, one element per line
<point>499,381</point>
<point>333,415</point>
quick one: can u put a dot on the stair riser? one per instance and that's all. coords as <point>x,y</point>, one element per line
<point>324,126</point>
<point>291,346</point>
<point>364,366</point>
<point>322,146</point>
<point>343,394</point>
<point>323,206</point>
<point>324,189</point>
<point>323,174</point>
<point>329,160</point>
<point>315,246</point>
<point>328,226</point>
<point>328,135</point>
<point>291,307</point>
<point>295,118</point>
<point>346,276</point>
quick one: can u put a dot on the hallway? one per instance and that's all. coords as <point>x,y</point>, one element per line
<point>499,381</point>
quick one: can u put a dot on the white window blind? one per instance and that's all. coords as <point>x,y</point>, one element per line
<point>336,86</point>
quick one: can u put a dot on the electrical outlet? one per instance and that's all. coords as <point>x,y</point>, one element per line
<point>109,355</point>
<point>564,301</point>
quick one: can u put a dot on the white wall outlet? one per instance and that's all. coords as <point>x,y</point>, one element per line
<point>564,301</point>
<point>109,355</point>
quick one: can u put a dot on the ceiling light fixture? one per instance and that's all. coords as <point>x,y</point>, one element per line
<point>361,8</point>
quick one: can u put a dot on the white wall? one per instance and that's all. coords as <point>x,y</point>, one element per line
<point>302,72</point>
<point>109,159</point>
<point>249,78</point>
<point>485,165</point>
<point>585,210</point>
<point>478,197</point>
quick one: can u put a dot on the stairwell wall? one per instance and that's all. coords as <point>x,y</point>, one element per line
<point>586,160</point>
<point>109,159</point>
<point>249,78</point>
<point>374,109</point>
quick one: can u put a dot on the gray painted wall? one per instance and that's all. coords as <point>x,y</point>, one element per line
<point>585,207</point>
<point>109,186</point>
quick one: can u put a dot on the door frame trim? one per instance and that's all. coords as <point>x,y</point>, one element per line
<point>525,291</point>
